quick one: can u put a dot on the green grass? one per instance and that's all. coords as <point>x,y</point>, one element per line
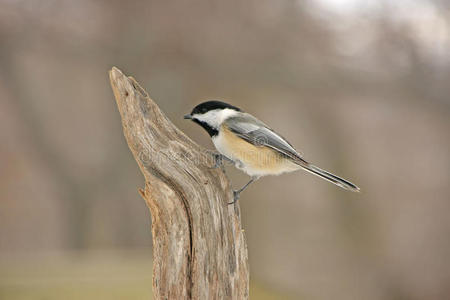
<point>100,275</point>
<point>77,276</point>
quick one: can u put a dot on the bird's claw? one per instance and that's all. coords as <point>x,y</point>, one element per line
<point>218,161</point>
<point>236,195</point>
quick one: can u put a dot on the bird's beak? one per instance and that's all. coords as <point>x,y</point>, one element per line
<point>188,116</point>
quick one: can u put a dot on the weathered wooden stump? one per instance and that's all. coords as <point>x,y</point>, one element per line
<point>199,249</point>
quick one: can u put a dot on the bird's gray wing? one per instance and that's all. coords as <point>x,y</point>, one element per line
<point>257,133</point>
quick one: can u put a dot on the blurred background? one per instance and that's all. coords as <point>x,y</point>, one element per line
<point>361,88</point>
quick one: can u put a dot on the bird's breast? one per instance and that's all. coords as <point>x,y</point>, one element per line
<point>254,160</point>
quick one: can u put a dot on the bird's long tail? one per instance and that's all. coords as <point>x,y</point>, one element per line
<point>328,176</point>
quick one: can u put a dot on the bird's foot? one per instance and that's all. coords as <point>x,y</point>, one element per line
<point>218,160</point>
<point>236,195</point>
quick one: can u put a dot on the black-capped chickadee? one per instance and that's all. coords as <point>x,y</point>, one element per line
<point>252,146</point>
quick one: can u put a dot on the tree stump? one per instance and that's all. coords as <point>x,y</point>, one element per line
<point>199,248</point>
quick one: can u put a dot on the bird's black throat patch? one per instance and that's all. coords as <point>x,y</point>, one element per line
<point>211,131</point>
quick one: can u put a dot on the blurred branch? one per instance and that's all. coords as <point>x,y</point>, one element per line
<point>199,247</point>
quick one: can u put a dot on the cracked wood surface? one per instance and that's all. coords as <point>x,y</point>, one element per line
<point>199,249</point>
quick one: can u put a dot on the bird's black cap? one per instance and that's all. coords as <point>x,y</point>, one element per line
<point>211,105</point>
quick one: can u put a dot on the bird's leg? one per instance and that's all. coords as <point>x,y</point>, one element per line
<point>238,192</point>
<point>218,160</point>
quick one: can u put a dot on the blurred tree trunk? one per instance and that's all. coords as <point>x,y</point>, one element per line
<point>199,247</point>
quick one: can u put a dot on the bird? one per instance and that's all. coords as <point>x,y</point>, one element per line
<point>252,146</point>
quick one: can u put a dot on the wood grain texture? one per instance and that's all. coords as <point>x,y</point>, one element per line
<point>199,249</point>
